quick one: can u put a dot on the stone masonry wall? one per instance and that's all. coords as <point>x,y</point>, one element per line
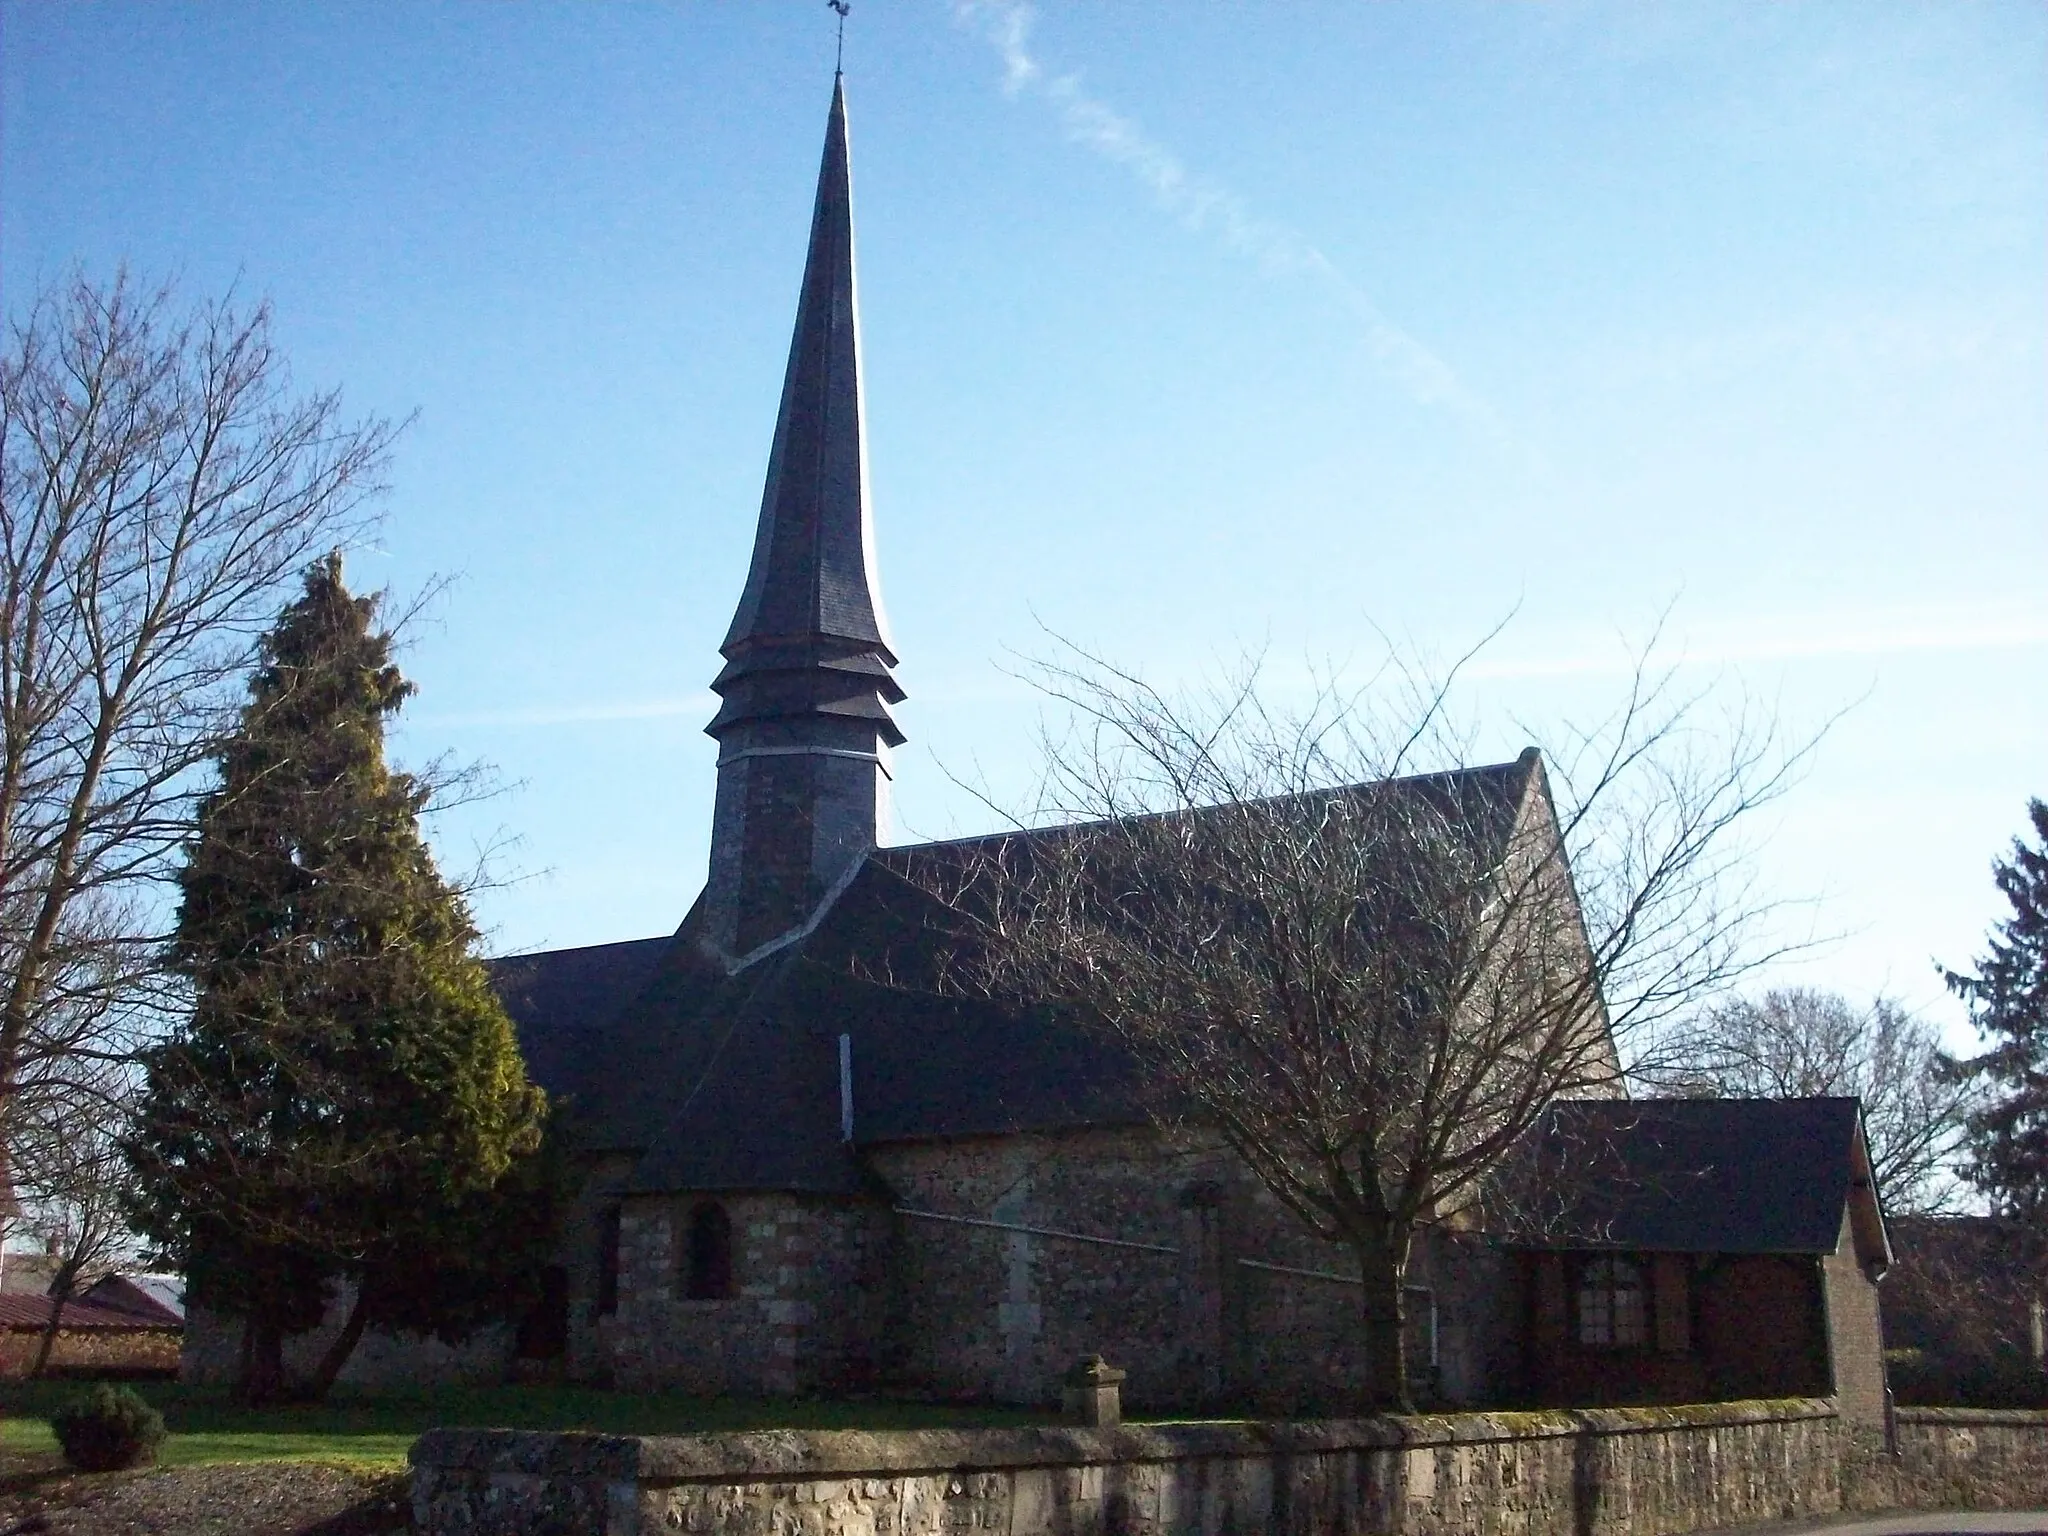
<point>1480,1316</point>
<point>1215,1294</point>
<point>1643,1472</point>
<point>212,1344</point>
<point>211,1353</point>
<point>1957,1458</point>
<point>578,1244</point>
<point>92,1349</point>
<point>983,1313</point>
<point>797,1319</point>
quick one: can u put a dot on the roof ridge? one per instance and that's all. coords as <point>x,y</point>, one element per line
<point>573,949</point>
<point>1398,781</point>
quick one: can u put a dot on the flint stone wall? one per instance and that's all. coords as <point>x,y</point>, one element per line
<point>1216,1302</point>
<point>799,1316</point>
<point>1618,1472</point>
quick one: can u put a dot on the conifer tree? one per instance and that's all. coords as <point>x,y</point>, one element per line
<point>346,1099</point>
<point>2008,998</point>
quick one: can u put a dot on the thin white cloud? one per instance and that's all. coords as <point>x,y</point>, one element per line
<point>1821,638</point>
<point>1207,207</point>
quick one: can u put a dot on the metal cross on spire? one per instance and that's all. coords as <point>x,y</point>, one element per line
<point>839,8</point>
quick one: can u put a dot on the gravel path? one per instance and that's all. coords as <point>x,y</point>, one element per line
<point>253,1499</point>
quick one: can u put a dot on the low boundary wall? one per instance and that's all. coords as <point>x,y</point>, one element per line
<point>1619,1472</point>
<point>1951,1458</point>
<point>83,1351</point>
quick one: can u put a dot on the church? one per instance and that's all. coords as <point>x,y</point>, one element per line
<point>804,1168</point>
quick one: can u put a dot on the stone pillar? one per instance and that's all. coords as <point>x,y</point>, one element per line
<point>1019,1315</point>
<point>791,1314</point>
<point>1091,1392</point>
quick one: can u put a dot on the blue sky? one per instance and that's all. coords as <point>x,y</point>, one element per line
<point>1188,329</point>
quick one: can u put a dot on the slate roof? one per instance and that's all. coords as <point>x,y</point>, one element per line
<point>140,1297</point>
<point>20,1312</point>
<point>810,572</point>
<point>1706,1175</point>
<point>810,635</point>
<point>562,1000</point>
<point>731,1081</point>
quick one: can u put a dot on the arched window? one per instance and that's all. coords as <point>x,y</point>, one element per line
<point>707,1264</point>
<point>1614,1310</point>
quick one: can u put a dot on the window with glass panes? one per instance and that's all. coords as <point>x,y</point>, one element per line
<point>1613,1303</point>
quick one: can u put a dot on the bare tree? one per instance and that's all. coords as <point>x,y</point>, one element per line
<point>161,488</point>
<point>71,1178</point>
<point>1797,1041</point>
<point>1966,1304</point>
<point>1367,968</point>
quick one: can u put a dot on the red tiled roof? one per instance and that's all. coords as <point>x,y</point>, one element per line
<point>19,1311</point>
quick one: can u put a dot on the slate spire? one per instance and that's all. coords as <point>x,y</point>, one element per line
<point>804,727</point>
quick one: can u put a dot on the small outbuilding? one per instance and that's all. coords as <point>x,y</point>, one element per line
<point>1705,1249</point>
<point>113,1328</point>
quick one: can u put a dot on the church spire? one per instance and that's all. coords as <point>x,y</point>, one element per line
<point>804,725</point>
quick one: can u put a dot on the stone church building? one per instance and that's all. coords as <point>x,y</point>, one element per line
<point>807,1169</point>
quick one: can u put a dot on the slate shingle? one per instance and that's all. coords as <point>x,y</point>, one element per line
<point>1701,1175</point>
<point>731,1082</point>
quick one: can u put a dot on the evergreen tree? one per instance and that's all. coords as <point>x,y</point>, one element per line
<point>346,1098</point>
<point>2008,998</point>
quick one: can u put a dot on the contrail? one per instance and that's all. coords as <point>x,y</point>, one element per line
<point>1846,637</point>
<point>1206,206</point>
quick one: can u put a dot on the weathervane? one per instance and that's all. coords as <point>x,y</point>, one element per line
<point>840,8</point>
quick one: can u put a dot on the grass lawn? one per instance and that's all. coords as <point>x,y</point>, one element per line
<point>377,1431</point>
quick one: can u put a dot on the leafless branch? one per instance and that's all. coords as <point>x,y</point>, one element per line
<point>161,488</point>
<point>1365,964</point>
<point>1794,1042</point>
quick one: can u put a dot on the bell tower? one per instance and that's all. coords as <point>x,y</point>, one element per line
<point>804,729</point>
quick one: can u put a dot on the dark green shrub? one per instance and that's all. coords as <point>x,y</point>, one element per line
<point>1924,1379</point>
<point>107,1429</point>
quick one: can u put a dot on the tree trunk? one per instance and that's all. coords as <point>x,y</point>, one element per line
<point>1383,1266</point>
<point>60,1292</point>
<point>262,1363</point>
<point>344,1343</point>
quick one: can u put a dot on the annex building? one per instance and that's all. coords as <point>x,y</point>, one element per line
<point>806,1168</point>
